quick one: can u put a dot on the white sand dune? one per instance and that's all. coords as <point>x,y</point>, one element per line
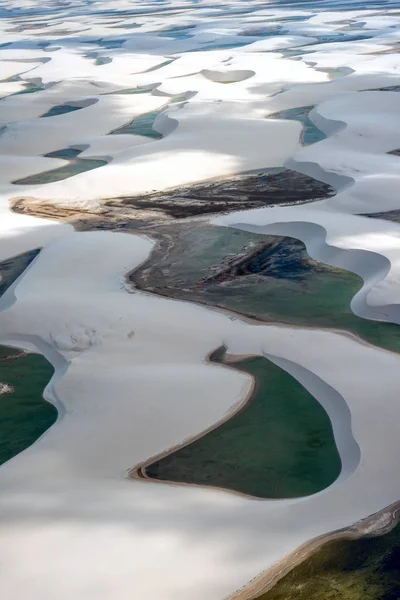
<point>131,377</point>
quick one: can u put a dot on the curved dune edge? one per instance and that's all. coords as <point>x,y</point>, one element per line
<point>331,401</point>
<point>139,471</point>
<point>310,223</point>
<point>376,524</point>
<point>370,266</point>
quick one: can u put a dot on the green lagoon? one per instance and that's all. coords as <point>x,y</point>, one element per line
<point>280,445</point>
<point>141,125</point>
<point>268,278</point>
<point>74,166</point>
<point>24,414</point>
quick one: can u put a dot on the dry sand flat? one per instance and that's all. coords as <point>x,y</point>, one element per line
<point>131,376</point>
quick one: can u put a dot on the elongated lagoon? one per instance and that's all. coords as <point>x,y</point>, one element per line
<point>280,445</point>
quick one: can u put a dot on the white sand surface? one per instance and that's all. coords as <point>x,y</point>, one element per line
<point>131,376</point>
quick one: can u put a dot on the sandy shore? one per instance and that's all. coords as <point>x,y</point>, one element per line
<point>139,471</point>
<point>131,284</point>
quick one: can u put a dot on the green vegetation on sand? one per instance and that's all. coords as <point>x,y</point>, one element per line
<point>363,569</point>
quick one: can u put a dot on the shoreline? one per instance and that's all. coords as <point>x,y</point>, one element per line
<point>138,471</point>
<point>251,320</point>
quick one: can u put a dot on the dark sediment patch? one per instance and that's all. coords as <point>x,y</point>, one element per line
<point>390,215</point>
<point>279,445</point>
<point>388,88</point>
<point>395,49</point>
<point>279,257</point>
<point>268,188</point>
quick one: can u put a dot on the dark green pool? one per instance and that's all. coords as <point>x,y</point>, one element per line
<point>280,445</point>
<point>24,414</point>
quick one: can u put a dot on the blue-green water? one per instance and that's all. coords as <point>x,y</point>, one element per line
<point>60,109</point>
<point>105,60</point>
<point>75,166</point>
<point>142,125</point>
<point>311,133</point>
